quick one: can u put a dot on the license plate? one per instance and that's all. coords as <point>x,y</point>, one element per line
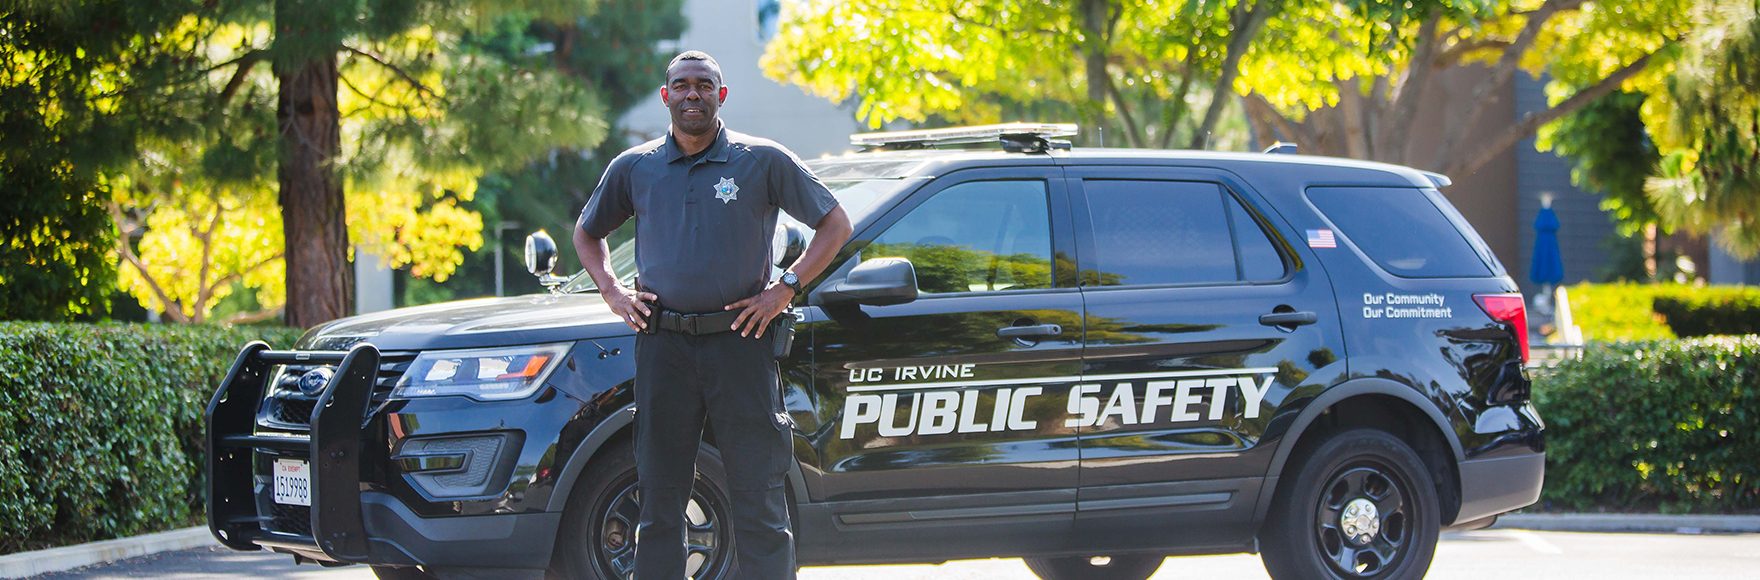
<point>293,482</point>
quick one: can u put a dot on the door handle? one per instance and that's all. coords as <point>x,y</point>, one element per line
<point>1288,319</point>
<point>1029,332</point>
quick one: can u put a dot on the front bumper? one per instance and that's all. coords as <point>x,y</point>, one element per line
<point>348,522</point>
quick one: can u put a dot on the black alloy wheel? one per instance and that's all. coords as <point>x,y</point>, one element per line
<point>1362,505</point>
<point>1127,567</point>
<point>597,540</point>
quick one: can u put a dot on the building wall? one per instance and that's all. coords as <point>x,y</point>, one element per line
<point>728,30</point>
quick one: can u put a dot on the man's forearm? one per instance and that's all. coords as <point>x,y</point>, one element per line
<point>595,258</point>
<point>828,237</point>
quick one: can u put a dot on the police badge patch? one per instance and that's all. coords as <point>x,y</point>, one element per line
<point>726,190</point>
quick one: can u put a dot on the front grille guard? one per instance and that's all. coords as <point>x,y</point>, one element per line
<point>334,445</point>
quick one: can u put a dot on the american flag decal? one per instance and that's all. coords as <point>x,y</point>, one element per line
<point>1321,239</point>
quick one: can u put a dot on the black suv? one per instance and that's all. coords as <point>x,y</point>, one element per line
<point>1090,359</point>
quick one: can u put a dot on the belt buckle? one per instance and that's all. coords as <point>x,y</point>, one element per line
<point>688,324</point>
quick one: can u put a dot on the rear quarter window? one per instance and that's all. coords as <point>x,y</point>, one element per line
<point>1402,230</point>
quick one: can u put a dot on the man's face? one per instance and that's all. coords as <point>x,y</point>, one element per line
<point>693,93</point>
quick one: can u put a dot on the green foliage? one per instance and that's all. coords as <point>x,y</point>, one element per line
<point>1627,311</point>
<point>1710,178</point>
<point>1712,311</point>
<point>1614,155</point>
<point>1621,311</point>
<point>100,426</point>
<point>1671,426</point>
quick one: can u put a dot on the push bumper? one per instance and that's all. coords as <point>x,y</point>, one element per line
<point>1494,486</point>
<point>346,524</point>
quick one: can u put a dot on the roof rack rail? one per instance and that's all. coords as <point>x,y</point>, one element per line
<point>1015,137</point>
<point>1282,148</point>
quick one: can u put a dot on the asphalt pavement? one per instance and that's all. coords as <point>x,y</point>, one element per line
<point>1478,555</point>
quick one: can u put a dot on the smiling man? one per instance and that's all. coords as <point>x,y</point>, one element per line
<point>707,201</point>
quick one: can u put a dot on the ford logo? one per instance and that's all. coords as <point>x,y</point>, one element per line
<point>314,380</point>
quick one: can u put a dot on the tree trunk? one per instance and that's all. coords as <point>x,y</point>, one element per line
<point>1094,14</point>
<point>320,281</point>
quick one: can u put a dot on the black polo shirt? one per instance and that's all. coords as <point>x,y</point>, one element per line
<point>705,227</point>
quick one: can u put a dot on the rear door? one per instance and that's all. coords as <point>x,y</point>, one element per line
<point>942,436</point>
<point>1204,311</point>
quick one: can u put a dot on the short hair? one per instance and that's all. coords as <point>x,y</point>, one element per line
<point>694,55</point>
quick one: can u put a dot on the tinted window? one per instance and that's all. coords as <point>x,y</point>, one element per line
<point>1260,261</point>
<point>977,236</point>
<point>1401,229</point>
<point>1174,232</point>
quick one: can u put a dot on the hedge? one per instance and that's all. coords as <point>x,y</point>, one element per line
<point>1724,311</point>
<point>1627,311</point>
<point>1670,426</point>
<point>100,426</point>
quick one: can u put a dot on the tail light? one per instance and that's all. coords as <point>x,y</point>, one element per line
<point>1508,308</point>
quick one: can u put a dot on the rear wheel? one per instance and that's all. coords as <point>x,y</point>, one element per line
<point>1131,567</point>
<point>597,539</point>
<point>1362,505</point>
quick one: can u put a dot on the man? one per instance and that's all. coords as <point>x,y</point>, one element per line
<point>707,201</point>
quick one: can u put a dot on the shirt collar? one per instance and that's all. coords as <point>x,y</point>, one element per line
<point>717,150</point>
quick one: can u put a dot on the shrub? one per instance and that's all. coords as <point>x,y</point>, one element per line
<point>1663,425</point>
<point>100,426</point>
<point>1627,311</point>
<point>1712,311</point>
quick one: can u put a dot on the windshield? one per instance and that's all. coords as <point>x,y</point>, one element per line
<point>858,197</point>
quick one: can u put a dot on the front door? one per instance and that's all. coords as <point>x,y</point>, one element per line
<point>943,416</point>
<point>1202,317</point>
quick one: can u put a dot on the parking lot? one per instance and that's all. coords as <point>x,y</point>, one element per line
<point>1475,555</point>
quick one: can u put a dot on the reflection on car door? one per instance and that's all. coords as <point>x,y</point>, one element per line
<point>1201,320</point>
<point>943,416</point>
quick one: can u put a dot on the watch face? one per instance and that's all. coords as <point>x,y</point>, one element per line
<point>790,279</point>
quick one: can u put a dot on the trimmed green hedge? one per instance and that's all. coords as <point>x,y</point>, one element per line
<point>1627,311</point>
<point>100,426</point>
<point>1718,311</point>
<point>1671,426</point>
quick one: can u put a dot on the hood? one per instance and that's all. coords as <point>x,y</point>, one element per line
<point>484,322</point>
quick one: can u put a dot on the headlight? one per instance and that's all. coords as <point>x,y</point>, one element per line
<point>487,374</point>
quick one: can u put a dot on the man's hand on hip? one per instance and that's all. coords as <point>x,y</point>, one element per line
<point>630,305</point>
<point>760,309</point>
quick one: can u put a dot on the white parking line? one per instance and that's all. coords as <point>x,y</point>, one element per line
<point>1534,541</point>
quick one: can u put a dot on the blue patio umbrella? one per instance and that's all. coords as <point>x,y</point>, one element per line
<point>1547,267</point>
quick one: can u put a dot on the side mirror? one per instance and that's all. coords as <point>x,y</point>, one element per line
<point>880,281</point>
<point>540,254</point>
<point>788,244</point>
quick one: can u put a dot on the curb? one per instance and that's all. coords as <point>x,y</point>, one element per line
<point>1678,524</point>
<point>25,564</point>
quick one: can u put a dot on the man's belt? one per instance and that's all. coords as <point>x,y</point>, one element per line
<point>694,324</point>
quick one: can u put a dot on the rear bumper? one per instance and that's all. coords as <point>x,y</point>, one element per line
<point>1494,486</point>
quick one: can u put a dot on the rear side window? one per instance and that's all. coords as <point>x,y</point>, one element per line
<point>1401,229</point>
<point>1175,232</point>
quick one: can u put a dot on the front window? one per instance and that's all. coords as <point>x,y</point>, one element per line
<point>975,237</point>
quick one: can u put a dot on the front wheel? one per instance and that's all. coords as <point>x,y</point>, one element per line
<point>1131,567</point>
<point>597,539</point>
<point>1361,506</point>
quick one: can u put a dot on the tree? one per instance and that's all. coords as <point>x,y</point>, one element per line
<point>1709,179</point>
<point>453,106</point>
<point>63,119</point>
<point>1365,109</point>
<point>1126,66</point>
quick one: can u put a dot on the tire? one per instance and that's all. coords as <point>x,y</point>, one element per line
<point>1306,533</point>
<point>391,573</point>
<point>1130,567</point>
<point>597,538</point>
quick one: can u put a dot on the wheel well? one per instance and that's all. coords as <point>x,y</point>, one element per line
<point>1397,417</point>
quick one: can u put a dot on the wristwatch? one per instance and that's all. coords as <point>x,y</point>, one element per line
<point>792,281</point>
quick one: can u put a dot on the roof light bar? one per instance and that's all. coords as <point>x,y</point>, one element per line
<point>963,135</point>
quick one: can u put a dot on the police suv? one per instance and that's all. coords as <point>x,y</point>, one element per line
<point>1091,359</point>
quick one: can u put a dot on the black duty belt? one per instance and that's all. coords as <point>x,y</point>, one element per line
<point>694,324</point>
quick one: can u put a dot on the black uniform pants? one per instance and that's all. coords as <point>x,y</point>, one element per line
<point>732,380</point>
